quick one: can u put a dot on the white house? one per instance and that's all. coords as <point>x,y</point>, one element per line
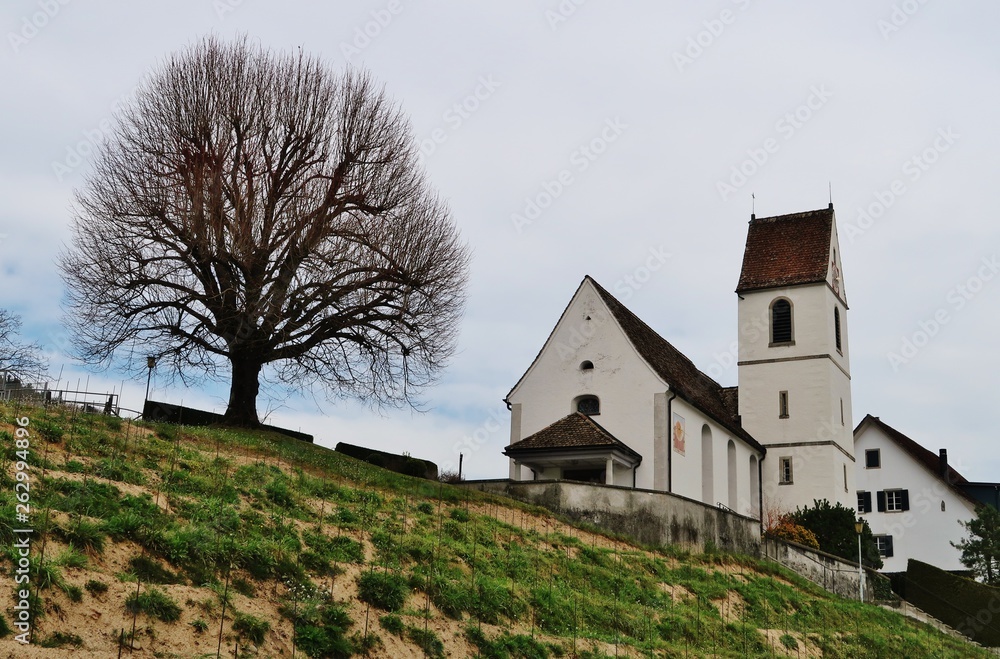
<point>912,499</point>
<point>608,399</point>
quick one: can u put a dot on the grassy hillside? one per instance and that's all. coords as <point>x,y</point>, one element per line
<point>181,542</point>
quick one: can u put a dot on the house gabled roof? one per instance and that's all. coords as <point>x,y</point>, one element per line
<point>787,250</point>
<point>576,431</point>
<point>677,370</point>
<point>930,460</point>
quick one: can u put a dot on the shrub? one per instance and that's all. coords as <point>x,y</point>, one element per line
<point>84,534</point>
<point>427,641</point>
<point>786,529</point>
<point>5,629</point>
<point>392,624</point>
<point>75,593</point>
<point>323,635</point>
<point>834,529</point>
<point>251,628</point>
<point>154,603</point>
<point>383,590</point>
<point>95,587</point>
<point>425,507</point>
<point>150,571</point>
<point>59,639</point>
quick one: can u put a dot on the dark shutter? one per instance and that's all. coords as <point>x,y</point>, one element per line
<point>905,495</point>
<point>880,497</point>
<point>781,322</point>
<point>867,502</point>
<point>888,546</point>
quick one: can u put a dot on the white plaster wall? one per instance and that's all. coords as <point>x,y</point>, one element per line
<point>815,389</point>
<point>622,381</point>
<point>923,532</point>
<point>628,390</point>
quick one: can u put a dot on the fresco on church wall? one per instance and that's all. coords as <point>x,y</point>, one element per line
<point>678,433</point>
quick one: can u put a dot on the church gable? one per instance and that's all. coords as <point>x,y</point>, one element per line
<point>787,250</point>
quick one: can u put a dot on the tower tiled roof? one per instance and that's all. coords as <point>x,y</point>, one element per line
<point>574,431</point>
<point>677,370</point>
<point>786,250</point>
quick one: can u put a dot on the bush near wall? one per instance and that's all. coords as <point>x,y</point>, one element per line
<point>970,607</point>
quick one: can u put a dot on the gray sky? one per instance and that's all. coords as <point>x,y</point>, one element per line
<point>630,123</point>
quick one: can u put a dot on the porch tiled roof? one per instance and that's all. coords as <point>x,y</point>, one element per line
<point>575,431</point>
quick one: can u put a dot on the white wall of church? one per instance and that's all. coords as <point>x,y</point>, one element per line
<point>815,376</point>
<point>925,531</point>
<point>621,380</point>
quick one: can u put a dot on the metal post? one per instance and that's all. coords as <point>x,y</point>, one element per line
<point>859,526</point>
<point>150,364</point>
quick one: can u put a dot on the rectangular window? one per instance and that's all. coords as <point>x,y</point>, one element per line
<point>873,459</point>
<point>884,543</point>
<point>782,404</point>
<point>841,411</point>
<point>845,478</point>
<point>785,469</point>
<point>864,501</point>
<point>893,501</point>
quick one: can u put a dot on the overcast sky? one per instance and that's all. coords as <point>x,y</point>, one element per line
<point>643,128</point>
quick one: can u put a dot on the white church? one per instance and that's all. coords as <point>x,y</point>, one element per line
<point>609,400</point>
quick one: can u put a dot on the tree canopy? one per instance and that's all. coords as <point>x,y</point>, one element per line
<point>981,548</point>
<point>254,209</point>
<point>20,361</point>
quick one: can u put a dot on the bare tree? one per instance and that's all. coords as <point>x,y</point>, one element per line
<point>19,361</point>
<point>262,210</point>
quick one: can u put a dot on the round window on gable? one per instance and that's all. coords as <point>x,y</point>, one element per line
<point>587,366</point>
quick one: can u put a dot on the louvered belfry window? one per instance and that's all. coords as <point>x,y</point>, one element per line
<point>781,322</point>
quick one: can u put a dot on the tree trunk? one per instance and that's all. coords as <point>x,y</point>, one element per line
<point>242,409</point>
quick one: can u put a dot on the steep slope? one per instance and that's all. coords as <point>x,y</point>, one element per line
<point>184,542</point>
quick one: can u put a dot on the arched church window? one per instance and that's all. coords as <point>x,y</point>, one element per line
<point>836,326</point>
<point>588,405</point>
<point>587,365</point>
<point>781,322</point>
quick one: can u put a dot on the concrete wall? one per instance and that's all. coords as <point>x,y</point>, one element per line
<point>831,572</point>
<point>925,531</point>
<point>648,517</point>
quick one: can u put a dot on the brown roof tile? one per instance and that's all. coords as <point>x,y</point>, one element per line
<point>574,431</point>
<point>928,458</point>
<point>677,370</point>
<point>786,250</point>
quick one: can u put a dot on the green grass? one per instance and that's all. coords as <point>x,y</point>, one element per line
<point>282,520</point>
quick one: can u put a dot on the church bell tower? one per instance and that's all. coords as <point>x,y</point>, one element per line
<point>794,360</point>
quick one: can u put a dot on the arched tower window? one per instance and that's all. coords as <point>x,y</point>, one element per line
<point>836,326</point>
<point>781,322</point>
<point>588,405</point>
<point>588,365</point>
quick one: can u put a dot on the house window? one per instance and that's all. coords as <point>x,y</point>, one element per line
<point>893,501</point>
<point>785,471</point>
<point>587,366</point>
<point>781,322</point>
<point>873,459</point>
<point>588,405</point>
<point>884,544</point>
<point>864,501</point>
<point>782,404</point>
<point>836,329</point>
